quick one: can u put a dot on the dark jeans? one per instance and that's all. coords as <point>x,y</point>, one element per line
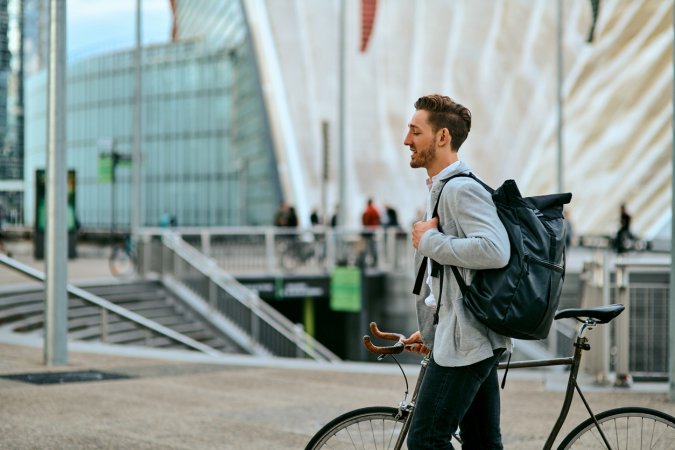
<point>450,397</point>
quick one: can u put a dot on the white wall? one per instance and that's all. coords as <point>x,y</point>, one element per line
<point>499,59</point>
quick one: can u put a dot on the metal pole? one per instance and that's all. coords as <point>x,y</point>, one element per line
<point>56,257</point>
<point>137,117</point>
<point>342,212</point>
<point>671,319</point>
<point>560,96</point>
<point>325,210</point>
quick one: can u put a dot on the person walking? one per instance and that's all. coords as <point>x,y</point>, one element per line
<point>460,389</point>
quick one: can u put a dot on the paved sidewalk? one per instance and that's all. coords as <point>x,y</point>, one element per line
<point>184,400</point>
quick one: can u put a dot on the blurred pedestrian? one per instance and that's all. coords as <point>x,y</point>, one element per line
<point>292,219</point>
<point>371,216</point>
<point>281,216</point>
<point>569,230</point>
<point>334,219</point>
<point>624,238</point>
<point>391,217</point>
<point>314,218</point>
<point>370,220</point>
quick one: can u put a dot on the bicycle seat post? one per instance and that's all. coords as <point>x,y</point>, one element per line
<point>580,344</point>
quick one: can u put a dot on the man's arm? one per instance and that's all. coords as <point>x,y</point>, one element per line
<point>481,241</point>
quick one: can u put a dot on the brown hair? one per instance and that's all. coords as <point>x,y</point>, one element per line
<point>446,113</point>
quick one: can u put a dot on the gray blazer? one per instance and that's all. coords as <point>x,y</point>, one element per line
<point>473,237</point>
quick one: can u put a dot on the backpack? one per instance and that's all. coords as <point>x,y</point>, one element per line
<point>520,299</point>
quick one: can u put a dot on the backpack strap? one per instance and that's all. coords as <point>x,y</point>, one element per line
<point>436,271</point>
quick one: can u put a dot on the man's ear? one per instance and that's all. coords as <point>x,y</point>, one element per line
<point>444,137</point>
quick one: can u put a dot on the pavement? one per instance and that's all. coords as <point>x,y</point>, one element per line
<point>185,400</point>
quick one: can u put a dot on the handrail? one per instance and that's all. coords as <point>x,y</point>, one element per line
<point>280,250</point>
<point>109,306</point>
<point>210,269</point>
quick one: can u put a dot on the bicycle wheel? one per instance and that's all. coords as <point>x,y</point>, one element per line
<point>375,427</point>
<point>627,428</point>
<point>121,263</point>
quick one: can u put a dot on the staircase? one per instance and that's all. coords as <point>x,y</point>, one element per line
<point>22,311</point>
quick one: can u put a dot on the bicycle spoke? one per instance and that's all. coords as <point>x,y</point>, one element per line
<point>371,430</point>
<point>626,428</point>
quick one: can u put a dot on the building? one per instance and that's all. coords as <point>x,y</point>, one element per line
<point>206,155</point>
<point>11,111</point>
<point>297,64</point>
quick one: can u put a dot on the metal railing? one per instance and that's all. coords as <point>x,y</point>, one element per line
<point>643,286</point>
<point>637,342</point>
<point>274,250</point>
<point>253,323</point>
<point>109,307</point>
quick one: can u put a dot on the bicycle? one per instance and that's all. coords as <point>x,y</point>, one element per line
<point>122,261</point>
<point>304,250</point>
<point>384,427</point>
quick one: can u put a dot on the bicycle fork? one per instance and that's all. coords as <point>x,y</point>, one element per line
<point>408,408</point>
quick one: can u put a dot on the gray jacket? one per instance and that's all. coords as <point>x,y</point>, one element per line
<point>473,237</point>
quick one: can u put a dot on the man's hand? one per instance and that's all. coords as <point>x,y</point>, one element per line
<point>421,227</point>
<point>414,344</point>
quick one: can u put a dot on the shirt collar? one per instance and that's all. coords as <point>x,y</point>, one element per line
<point>442,174</point>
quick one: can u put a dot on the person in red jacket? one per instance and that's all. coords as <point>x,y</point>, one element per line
<point>371,216</point>
<point>371,221</point>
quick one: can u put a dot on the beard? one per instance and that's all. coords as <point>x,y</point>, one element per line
<point>422,157</point>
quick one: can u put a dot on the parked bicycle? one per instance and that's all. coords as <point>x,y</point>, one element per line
<point>122,261</point>
<point>302,250</point>
<point>630,427</point>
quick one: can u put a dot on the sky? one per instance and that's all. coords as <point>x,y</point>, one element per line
<point>95,26</point>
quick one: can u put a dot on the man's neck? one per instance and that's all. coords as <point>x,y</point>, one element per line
<point>438,166</point>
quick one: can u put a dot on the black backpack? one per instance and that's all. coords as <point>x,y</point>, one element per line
<point>520,299</point>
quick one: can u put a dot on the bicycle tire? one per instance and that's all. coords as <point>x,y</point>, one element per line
<point>121,263</point>
<point>288,256</point>
<point>374,427</point>
<point>629,428</point>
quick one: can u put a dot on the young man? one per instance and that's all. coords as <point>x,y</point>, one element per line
<point>460,388</point>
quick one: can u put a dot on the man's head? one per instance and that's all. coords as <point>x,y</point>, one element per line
<point>446,113</point>
<point>436,131</point>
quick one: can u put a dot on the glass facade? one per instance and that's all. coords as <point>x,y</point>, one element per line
<point>11,111</point>
<point>207,158</point>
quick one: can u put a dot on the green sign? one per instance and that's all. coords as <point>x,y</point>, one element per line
<point>345,289</point>
<point>105,168</point>
<point>108,163</point>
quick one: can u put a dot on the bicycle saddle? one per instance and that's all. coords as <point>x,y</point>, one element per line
<point>601,314</point>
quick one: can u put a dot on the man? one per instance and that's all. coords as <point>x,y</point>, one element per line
<point>460,388</point>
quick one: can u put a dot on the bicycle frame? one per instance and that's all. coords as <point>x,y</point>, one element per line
<point>580,345</point>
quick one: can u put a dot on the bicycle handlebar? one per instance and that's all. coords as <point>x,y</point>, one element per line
<point>394,349</point>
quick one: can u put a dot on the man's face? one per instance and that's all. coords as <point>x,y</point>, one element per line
<point>421,139</point>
